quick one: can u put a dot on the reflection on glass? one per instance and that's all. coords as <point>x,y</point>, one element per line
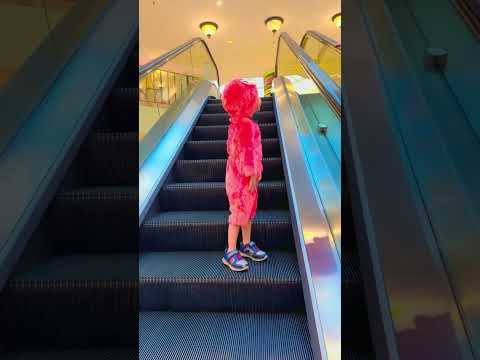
<point>165,87</point>
<point>327,57</point>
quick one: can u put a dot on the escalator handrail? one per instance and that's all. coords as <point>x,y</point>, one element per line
<point>321,38</point>
<point>144,70</point>
<point>329,88</point>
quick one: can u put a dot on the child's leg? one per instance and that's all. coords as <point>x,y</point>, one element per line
<point>233,231</point>
<point>246,233</point>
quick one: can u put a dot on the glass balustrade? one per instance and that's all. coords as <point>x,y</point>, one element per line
<point>166,83</point>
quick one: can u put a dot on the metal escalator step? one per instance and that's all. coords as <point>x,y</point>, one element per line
<point>220,336</point>
<point>214,170</point>
<point>76,300</point>
<point>73,354</point>
<point>95,219</point>
<point>212,196</point>
<point>217,149</point>
<point>220,132</point>
<point>262,117</point>
<point>110,158</point>
<point>218,108</point>
<point>207,230</point>
<point>198,281</point>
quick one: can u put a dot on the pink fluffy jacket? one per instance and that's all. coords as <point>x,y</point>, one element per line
<point>244,147</point>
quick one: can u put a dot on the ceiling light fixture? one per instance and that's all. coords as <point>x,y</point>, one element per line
<point>274,23</point>
<point>219,3</point>
<point>337,20</point>
<point>208,28</point>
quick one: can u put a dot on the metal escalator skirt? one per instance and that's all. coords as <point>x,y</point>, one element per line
<point>318,257</point>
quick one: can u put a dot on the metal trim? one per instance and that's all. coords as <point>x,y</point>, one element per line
<point>319,261</point>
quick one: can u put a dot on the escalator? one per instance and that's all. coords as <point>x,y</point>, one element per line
<point>72,293</point>
<point>188,299</point>
<point>191,305</point>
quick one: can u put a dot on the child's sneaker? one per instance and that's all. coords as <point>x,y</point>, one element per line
<point>234,260</point>
<point>252,251</point>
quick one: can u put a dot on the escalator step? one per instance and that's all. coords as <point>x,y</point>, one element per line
<point>77,300</point>
<point>219,336</point>
<point>198,281</point>
<point>102,219</point>
<point>111,158</point>
<point>120,112</point>
<point>220,132</point>
<point>207,230</point>
<point>212,196</point>
<point>122,98</point>
<point>214,170</point>
<point>217,149</point>
<point>262,117</point>
<point>218,108</point>
<point>74,354</point>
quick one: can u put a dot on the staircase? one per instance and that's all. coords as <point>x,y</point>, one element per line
<point>192,306</point>
<point>73,294</point>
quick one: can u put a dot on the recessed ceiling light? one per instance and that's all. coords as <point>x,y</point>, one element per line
<point>273,23</point>
<point>208,28</point>
<point>229,41</point>
<point>337,20</point>
<point>219,3</point>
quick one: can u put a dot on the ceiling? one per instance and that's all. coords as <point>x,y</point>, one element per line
<point>167,24</point>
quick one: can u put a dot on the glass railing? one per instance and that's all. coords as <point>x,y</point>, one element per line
<point>325,52</point>
<point>296,65</point>
<point>38,38</point>
<point>166,82</point>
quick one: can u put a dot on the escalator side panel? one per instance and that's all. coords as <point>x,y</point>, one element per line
<point>397,247</point>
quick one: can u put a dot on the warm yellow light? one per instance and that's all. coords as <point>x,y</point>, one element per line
<point>274,23</point>
<point>229,41</point>
<point>209,28</point>
<point>337,20</point>
<point>219,3</point>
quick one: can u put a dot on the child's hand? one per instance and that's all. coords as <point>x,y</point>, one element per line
<point>252,183</point>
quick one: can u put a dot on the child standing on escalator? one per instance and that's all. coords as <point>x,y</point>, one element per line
<point>244,171</point>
